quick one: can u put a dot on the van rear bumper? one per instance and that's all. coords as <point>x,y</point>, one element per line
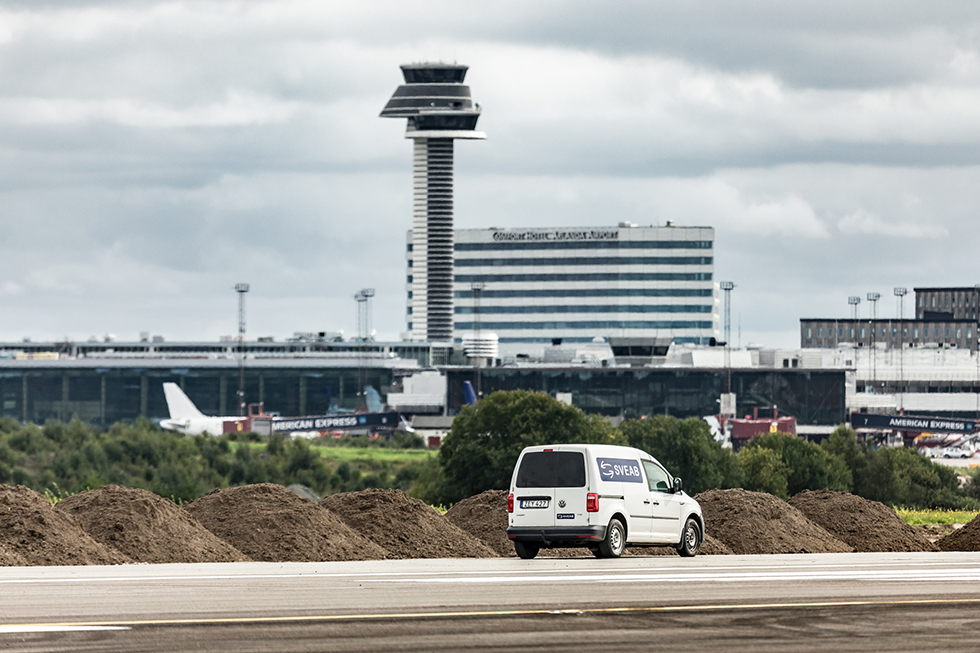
<point>556,536</point>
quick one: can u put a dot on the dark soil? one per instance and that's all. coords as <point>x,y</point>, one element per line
<point>867,526</point>
<point>10,559</point>
<point>146,527</point>
<point>35,534</point>
<point>404,527</point>
<point>269,523</point>
<point>962,539</point>
<point>484,516</point>
<point>754,522</point>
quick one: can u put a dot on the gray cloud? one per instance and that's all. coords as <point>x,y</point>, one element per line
<point>153,153</point>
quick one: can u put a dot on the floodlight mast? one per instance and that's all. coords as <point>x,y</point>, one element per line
<point>873,297</point>
<point>241,289</point>
<point>854,300</point>
<point>727,286</point>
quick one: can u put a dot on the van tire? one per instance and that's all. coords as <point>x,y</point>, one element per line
<point>525,551</point>
<point>615,542</point>
<point>691,539</point>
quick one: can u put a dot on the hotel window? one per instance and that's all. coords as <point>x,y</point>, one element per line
<point>820,332</point>
<point>905,332</point>
<point>915,332</point>
<point>862,332</point>
<point>840,332</point>
<point>808,334</point>
<point>958,332</point>
<point>894,332</point>
<point>852,333</point>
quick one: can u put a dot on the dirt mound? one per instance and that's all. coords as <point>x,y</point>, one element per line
<point>867,526</point>
<point>37,534</point>
<point>403,526</point>
<point>146,527</point>
<point>966,538</point>
<point>484,516</point>
<point>10,559</point>
<point>269,523</point>
<point>754,522</point>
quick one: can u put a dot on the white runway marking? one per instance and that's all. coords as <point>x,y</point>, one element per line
<point>55,628</point>
<point>907,575</point>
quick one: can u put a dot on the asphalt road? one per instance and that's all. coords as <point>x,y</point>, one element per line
<point>868,602</point>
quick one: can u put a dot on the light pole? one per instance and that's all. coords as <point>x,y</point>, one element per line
<point>873,297</point>
<point>477,288</point>
<point>900,293</point>
<point>241,289</point>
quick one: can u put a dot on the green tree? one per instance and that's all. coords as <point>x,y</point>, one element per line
<point>687,449</point>
<point>481,448</point>
<point>810,466</point>
<point>764,471</point>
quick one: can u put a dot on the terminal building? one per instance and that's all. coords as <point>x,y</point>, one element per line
<point>103,383</point>
<point>533,287</point>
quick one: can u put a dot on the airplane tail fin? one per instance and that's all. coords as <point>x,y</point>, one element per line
<point>177,402</point>
<point>373,400</point>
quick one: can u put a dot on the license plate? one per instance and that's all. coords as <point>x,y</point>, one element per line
<point>535,503</point>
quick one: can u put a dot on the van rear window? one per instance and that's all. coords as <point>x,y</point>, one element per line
<point>552,469</point>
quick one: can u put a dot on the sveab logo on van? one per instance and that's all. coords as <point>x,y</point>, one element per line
<point>619,469</point>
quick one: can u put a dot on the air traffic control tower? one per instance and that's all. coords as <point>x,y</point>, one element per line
<point>439,109</point>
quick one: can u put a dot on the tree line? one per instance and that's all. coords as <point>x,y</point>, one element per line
<point>477,454</point>
<point>480,451</point>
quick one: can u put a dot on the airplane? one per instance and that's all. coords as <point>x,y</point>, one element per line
<point>187,419</point>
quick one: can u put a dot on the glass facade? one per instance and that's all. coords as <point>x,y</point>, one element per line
<point>584,244</point>
<point>105,396</point>
<point>591,260</point>
<point>587,292</point>
<point>588,308</point>
<point>587,324</point>
<point>812,396</point>
<point>600,276</point>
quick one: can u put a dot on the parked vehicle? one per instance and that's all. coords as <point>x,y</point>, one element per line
<point>602,497</point>
<point>956,452</point>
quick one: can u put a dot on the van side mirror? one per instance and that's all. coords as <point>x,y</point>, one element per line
<point>678,486</point>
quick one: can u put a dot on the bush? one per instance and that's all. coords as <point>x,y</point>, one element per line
<point>810,467</point>
<point>764,471</point>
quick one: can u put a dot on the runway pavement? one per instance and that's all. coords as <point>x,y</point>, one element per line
<point>899,602</point>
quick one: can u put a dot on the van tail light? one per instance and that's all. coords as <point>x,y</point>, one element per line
<point>592,502</point>
<point>510,503</point>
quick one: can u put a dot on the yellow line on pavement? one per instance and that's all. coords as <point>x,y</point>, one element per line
<point>492,613</point>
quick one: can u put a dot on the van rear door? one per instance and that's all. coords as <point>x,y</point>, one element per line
<point>546,489</point>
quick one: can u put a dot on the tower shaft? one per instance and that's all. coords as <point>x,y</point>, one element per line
<point>432,239</point>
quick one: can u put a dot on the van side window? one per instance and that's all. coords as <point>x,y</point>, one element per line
<point>657,479</point>
<point>552,469</point>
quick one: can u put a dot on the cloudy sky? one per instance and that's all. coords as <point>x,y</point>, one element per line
<point>153,154</point>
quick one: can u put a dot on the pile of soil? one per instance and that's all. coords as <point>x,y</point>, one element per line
<point>269,523</point>
<point>867,526</point>
<point>484,516</point>
<point>403,526</point>
<point>146,527</point>
<point>10,559</point>
<point>754,522</point>
<point>962,539</point>
<point>35,534</point>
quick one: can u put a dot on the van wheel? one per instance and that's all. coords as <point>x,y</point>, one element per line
<point>525,551</point>
<point>615,542</point>
<point>690,539</point>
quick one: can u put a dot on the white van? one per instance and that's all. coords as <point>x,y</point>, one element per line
<point>602,497</point>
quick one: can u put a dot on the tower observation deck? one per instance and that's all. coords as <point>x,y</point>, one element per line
<point>439,109</point>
